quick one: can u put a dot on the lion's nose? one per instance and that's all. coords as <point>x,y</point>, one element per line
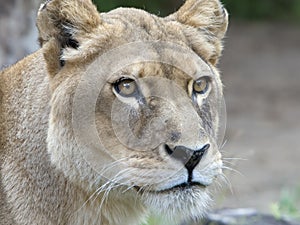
<point>190,158</point>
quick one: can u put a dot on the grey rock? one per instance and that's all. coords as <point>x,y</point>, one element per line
<point>243,217</point>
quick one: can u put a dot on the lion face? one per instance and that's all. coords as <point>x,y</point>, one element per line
<point>136,102</point>
<point>162,130</point>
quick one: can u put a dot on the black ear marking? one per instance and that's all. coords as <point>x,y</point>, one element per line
<point>63,26</point>
<point>67,42</point>
<point>72,43</point>
<point>45,5</point>
<point>62,63</point>
<point>67,35</point>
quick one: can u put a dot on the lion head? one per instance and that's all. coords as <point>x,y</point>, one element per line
<point>136,101</point>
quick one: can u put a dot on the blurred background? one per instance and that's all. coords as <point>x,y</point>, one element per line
<point>261,73</point>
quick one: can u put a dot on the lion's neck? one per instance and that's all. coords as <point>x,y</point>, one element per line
<point>113,208</point>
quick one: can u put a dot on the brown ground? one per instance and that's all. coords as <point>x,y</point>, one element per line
<point>261,73</point>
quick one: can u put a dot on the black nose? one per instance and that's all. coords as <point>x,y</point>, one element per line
<point>189,158</point>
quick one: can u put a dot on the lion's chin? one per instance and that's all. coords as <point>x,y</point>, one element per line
<point>179,204</point>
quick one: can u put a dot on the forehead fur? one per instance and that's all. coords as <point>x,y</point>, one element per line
<point>126,25</point>
<point>155,69</point>
<point>74,31</point>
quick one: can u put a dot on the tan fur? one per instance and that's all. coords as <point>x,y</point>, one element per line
<point>45,177</point>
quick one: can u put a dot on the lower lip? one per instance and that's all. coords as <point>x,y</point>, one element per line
<point>185,186</point>
<point>180,187</point>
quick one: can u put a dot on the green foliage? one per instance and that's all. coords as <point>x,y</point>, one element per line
<point>158,7</point>
<point>264,9</point>
<point>288,10</point>
<point>288,204</point>
<point>154,220</point>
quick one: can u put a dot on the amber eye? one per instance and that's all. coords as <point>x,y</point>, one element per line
<point>201,85</point>
<point>126,87</point>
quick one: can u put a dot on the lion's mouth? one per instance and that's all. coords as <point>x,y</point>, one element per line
<point>180,187</point>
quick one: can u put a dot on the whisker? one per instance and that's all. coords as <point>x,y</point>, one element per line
<point>106,187</point>
<point>85,203</point>
<point>224,143</point>
<point>110,185</point>
<point>227,182</point>
<point>236,159</point>
<point>94,194</point>
<point>233,170</point>
<point>230,163</point>
<point>113,164</point>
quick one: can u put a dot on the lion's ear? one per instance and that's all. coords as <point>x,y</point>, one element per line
<point>210,19</point>
<point>64,25</point>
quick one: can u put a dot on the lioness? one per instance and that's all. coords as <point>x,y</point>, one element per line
<point>115,116</point>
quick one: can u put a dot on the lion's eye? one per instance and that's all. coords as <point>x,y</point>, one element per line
<point>201,85</point>
<point>126,87</point>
